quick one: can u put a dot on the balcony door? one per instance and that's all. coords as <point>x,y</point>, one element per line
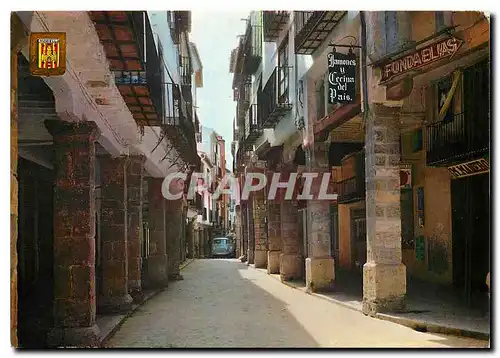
<point>476,105</point>
<point>283,80</point>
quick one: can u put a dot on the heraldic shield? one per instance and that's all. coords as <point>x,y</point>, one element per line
<point>48,53</point>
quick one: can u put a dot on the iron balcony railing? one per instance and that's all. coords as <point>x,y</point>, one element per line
<point>353,187</point>
<point>186,70</point>
<point>244,95</point>
<point>463,137</point>
<point>252,48</point>
<point>252,124</point>
<point>304,22</point>
<point>273,23</point>
<point>275,99</point>
<point>178,113</point>
<point>312,28</point>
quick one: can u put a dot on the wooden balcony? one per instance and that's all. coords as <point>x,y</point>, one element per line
<point>312,28</point>
<point>273,23</point>
<point>352,186</point>
<point>465,136</point>
<point>252,124</point>
<point>127,38</point>
<point>275,100</point>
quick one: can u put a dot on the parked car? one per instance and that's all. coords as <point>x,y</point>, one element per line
<point>222,247</point>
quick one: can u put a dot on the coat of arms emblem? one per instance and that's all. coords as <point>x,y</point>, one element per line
<point>48,53</point>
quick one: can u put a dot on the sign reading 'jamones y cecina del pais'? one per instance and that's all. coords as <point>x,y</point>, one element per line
<point>438,50</point>
<point>341,78</point>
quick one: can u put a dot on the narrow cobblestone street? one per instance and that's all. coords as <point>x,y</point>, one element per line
<point>224,303</point>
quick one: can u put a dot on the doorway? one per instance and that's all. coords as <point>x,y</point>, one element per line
<point>358,238</point>
<point>471,237</point>
<point>334,232</point>
<point>35,250</point>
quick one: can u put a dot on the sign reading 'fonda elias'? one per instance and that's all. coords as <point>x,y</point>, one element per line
<point>424,56</point>
<point>341,78</point>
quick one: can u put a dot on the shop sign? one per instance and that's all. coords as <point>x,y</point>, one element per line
<point>47,53</point>
<point>436,51</point>
<point>341,78</point>
<point>405,176</point>
<point>474,167</point>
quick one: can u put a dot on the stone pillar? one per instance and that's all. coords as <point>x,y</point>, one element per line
<point>384,275</point>
<point>157,261</point>
<point>320,272</point>
<point>174,219</point>
<point>190,240</point>
<point>250,238</point>
<point>291,266</point>
<point>203,248</point>
<point>135,175</point>
<point>114,296</point>
<point>237,226</point>
<point>258,232</point>
<point>74,234</point>
<point>274,226</point>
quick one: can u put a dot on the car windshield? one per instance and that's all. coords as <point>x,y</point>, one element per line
<point>220,241</point>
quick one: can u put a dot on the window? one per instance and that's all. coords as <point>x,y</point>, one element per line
<point>443,87</point>
<point>391,31</point>
<point>439,16</point>
<point>283,73</point>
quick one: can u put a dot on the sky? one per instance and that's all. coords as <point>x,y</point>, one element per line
<point>215,35</point>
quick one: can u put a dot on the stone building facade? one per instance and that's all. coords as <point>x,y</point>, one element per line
<point>90,150</point>
<point>406,156</point>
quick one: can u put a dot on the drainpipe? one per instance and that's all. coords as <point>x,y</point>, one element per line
<point>364,83</point>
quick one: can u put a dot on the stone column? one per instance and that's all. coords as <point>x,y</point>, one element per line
<point>237,226</point>
<point>157,261</point>
<point>174,220</point>
<point>74,234</point>
<point>244,230</point>
<point>320,272</point>
<point>114,296</point>
<point>202,242</point>
<point>384,275</point>
<point>250,238</point>
<point>135,175</point>
<point>258,215</point>
<point>190,239</point>
<point>274,226</point>
<point>291,264</point>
